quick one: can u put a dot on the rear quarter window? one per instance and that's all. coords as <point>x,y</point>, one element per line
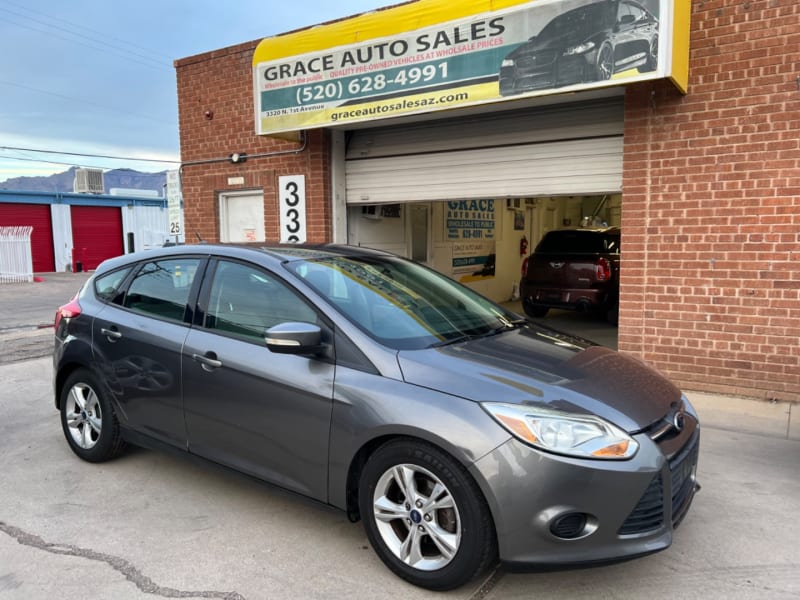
<point>107,287</point>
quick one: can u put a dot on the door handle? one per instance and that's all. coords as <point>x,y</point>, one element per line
<point>112,334</point>
<point>208,361</point>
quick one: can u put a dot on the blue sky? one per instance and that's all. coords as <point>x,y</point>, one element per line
<point>96,76</point>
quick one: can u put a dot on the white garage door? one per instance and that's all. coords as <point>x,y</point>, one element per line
<point>562,150</point>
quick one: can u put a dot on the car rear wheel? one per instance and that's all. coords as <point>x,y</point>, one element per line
<point>425,516</point>
<point>605,62</point>
<point>88,419</point>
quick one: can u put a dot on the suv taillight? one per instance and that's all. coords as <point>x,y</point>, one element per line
<point>70,310</point>
<point>603,269</point>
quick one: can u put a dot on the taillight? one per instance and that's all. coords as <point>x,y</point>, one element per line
<point>69,311</point>
<point>603,269</point>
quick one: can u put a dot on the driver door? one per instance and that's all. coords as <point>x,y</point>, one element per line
<point>247,408</point>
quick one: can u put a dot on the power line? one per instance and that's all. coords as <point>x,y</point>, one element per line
<point>49,162</point>
<point>161,60</point>
<point>152,64</point>
<point>154,160</point>
<point>112,108</point>
<point>90,30</point>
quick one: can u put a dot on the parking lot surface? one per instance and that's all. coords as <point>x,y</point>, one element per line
<point>154,525</point>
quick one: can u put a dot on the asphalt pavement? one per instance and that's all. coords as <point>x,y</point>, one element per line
<point>152,525</point>
<point>27,313</point>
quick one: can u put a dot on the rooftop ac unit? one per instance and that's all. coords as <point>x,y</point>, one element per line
<point>88,181</point>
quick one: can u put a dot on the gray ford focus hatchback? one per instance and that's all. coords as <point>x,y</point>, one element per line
<point>459,433</point>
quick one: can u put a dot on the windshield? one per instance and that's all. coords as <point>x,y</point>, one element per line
<point>402,304</point>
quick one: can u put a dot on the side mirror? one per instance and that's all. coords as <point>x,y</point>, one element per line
<point>627,20</point>
<point>294,338</point>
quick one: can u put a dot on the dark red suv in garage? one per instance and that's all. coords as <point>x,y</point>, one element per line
<point>574,269</point>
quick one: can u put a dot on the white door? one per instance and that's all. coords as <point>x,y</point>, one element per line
<point>241,216</point>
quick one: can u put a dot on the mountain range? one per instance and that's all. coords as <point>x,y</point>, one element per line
<point>63,182</point>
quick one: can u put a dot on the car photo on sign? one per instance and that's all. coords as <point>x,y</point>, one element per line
<point>586,44</point>
<point>458,432</point>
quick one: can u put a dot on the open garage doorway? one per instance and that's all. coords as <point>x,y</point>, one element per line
<point>484,242</point>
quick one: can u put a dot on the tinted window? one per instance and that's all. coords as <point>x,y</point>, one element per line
<point>161,288</point>
<point>106,287</point>
<point>564,242</point>
<point>246,301</point>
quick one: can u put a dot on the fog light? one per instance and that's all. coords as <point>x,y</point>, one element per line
<point>569,526</point>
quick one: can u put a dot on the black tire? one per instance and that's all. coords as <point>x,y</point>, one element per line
<point>605,62</point>
<point>612,315</point>
<point>537,312</point>
<point>468,524</point>
<point>88,419</point>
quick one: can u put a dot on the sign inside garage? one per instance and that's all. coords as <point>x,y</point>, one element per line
<point>433,55</point>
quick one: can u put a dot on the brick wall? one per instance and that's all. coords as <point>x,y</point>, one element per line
<point>217,118</point>
<point>711,207</point>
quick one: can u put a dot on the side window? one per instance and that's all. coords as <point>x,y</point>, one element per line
<point>106,287</point>
<point>246,301</point>
<point>161,288</point>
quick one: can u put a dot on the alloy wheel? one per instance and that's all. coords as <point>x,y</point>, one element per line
<point>417,517</point>
<point>84,416</point>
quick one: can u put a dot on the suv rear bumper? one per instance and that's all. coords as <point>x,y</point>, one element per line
<point>585,300</point>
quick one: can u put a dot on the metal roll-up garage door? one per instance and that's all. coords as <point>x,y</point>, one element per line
<point>96,234</point>
<point>38,217</point>
<point>546,151</point>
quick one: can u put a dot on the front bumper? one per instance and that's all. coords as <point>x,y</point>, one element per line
<point>630,508</point>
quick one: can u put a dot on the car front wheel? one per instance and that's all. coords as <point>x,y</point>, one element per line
<point>605,62</point>
<point>425,516</point>
<point>88,419</point>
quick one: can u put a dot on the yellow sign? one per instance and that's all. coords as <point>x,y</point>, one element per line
<point>433,55</point>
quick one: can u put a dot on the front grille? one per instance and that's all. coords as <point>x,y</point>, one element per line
<point>648,514</point>
<point>535,61</point>
<point>682,469</point>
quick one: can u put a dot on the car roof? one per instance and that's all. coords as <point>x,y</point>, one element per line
<point>279,253</point>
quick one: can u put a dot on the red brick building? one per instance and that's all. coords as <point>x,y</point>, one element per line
<point>706,184</point>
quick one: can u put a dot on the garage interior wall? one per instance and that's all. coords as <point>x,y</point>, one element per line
<point>369,226</point>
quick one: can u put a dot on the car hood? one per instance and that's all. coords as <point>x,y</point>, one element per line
<point>543,367</point>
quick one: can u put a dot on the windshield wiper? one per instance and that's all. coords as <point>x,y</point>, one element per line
<point>455,340</point>
<point>506,326</point>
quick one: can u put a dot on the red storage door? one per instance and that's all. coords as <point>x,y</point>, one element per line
<point>37,216</point>
<point>96,234</point>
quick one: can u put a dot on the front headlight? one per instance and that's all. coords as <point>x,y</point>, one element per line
<point>583,436</point>
<point>507,62</point>
<point>579,49</point>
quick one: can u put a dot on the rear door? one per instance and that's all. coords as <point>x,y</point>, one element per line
<point>139,344</point>
<point>262,413</point>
